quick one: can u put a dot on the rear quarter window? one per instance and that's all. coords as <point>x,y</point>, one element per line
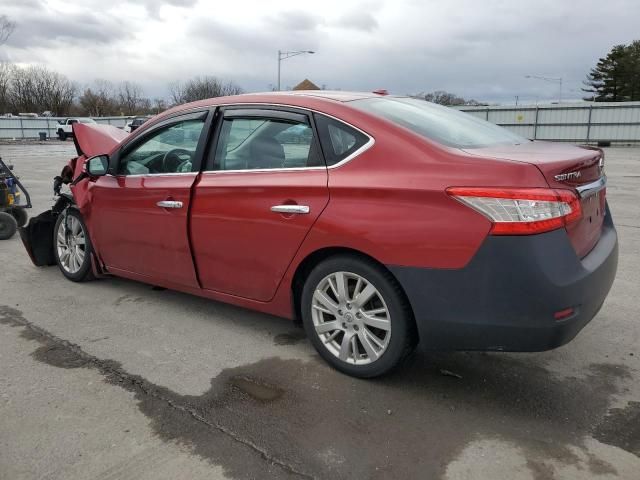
<point>338,139</point>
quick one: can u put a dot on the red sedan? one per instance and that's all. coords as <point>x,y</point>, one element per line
<point>381,222</point>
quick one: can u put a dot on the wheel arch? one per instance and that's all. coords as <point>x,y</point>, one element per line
<point>68,202</point>
<point>314,258</point>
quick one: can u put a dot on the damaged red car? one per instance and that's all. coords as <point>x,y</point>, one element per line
<point>381,222</point>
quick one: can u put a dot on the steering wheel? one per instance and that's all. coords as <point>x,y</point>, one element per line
<point>172,160</point>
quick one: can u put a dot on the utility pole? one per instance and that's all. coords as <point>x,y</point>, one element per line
<point>284,55</point>
<point>557,80</point>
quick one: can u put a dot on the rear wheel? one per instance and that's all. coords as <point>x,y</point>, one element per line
<point>72,247</point>
<point>8,226</point>
<point>356,316</point>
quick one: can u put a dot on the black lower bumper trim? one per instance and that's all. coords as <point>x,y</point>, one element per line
<point>506,297</point>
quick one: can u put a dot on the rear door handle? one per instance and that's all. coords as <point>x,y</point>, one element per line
<point>169,204</point>
<point>290,208</point>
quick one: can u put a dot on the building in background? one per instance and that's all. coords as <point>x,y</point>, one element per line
<point>306,84</point>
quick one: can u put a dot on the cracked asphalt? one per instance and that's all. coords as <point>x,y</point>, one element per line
<point>113,379</point>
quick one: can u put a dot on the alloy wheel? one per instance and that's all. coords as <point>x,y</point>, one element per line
<point>71,244</point>
<point>351,318</point>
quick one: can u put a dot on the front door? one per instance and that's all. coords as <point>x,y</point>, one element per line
<point>265,186</point>
<point>138,216</point>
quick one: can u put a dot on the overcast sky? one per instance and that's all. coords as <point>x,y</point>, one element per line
<point>479,49</point>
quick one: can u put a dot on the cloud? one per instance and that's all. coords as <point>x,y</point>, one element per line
<point>154,6</point>
<point>294,21</point>
<point>364,21</point>
<point>36,29</point>
<point>474,49</point>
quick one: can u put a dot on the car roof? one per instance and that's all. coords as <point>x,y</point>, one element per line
<point>296,98</point>
<point>337,95</point>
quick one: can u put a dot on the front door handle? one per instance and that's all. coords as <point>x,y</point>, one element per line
<point>169,204</point>
<point>290,209</point>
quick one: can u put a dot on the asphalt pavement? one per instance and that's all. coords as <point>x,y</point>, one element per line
<point>113,379</point>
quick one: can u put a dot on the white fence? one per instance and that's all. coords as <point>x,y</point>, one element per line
<point>26,127</point>
<point>578,123</point>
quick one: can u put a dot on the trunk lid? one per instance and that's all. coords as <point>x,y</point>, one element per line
<point>564,167</point>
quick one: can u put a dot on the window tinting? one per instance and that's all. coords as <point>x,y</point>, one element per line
<point>265,143</point>
<point>338,139</point>
<point>440,124</point>
<point>169,150</point>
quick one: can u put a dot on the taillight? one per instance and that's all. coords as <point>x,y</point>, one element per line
<point>521,211</point>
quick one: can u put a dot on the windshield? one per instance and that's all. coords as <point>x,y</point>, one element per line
<point>440,124</point>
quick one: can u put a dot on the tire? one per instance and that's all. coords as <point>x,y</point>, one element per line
<point>62,136</point>
<point>392,324</point>
<point>68,241</point>
<point>8,226</point>
<point>20,214</point>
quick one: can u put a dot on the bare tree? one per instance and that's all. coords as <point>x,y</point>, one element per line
<point>159,105</point>
<point>37,89</point>
<point>99,100</point>
<point>131,99</point>
<point>6,70</point>
<point>102,98</point>
<point>200,88</point>
<point>445,98</point>
<point>176,92</point>
<point>7,26</point>
<point>60,94</point>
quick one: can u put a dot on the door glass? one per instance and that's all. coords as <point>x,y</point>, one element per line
<point>168,150</point>
<point>265,143</point>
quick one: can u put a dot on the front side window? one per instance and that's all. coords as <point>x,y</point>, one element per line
<point>167,150</point>
<point>265,143</point>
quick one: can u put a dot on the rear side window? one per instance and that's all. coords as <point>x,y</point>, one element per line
<point>338,139</point>
<point>265,143</point>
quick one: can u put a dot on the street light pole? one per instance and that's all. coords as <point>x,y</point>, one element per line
<point>284,55</point>
<point>557,80</point>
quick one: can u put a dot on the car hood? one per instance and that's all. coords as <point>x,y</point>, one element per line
<point>95,139</point>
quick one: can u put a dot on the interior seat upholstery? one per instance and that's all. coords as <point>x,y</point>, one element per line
<point>266,152</point>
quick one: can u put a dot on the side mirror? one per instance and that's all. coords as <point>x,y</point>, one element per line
<point>97,166</point>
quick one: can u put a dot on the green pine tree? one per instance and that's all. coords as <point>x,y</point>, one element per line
<point>616,77</point>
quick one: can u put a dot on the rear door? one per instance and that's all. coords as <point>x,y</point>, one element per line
<point>264,187</point>
<point>138,215</point>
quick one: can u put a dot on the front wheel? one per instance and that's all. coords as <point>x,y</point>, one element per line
<point>61,135</point>
<point>356,316</point>
<point>72,247</point>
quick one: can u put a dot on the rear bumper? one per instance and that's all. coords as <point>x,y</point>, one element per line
<point>506,297</point>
